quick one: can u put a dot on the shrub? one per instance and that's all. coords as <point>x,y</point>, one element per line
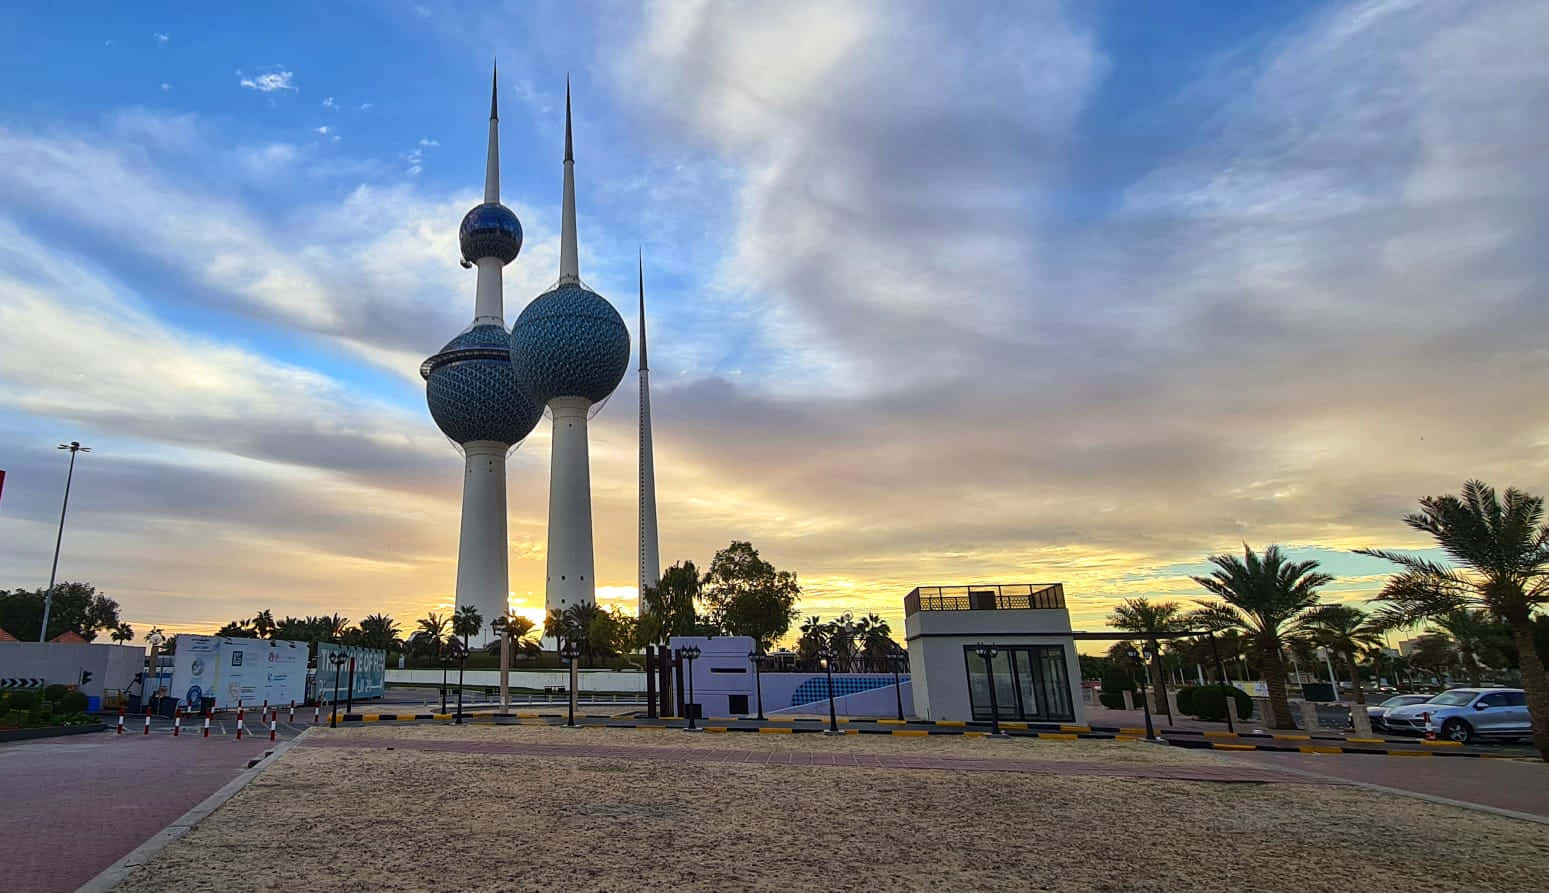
<point>21,701</point>
<point>1208,702</point>
<point>72,702</point>
<point>1186,700</point>
<point>55,692</point>
<point>1115,680</point>
<point>1111,699</point>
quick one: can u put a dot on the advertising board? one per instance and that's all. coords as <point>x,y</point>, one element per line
<point>232,671</point>
<point>370,672</point>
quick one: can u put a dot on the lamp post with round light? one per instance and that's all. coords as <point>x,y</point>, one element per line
<point>457,651</point>
<point>826,658</point>
<point>572,655</point>
<point>445,656</point>
<point>74,447</point>
<point>338,659</point>
<point>690,653</point>
<point>896,657</point>
<point>1145,703</point>
<point>988,653</point>
<point>758,682</point>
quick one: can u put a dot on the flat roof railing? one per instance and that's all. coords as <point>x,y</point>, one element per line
<point>988,597</point>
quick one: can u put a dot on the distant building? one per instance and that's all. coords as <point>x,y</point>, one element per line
<point>1035,672</point>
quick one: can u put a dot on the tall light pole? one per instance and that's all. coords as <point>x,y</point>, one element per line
<point>988,653</point>
<point>1332,679</point>
<point>571,652</point>
<point>826,658</point>
<point>74,447</point>
<point>895,656</point>
<point>690,654</point>
<point>1145,704</point>
<point>758,682</point>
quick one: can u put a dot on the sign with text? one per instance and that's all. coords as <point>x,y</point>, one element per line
<point>370,672</point>
<point>249,671</point>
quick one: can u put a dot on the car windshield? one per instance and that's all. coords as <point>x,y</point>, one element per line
<point>1404,700</point>
<point>1454,698</point>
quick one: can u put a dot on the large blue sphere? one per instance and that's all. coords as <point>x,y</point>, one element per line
<point>490,230</point>
<point>569,342</point>
<point>472,393</point>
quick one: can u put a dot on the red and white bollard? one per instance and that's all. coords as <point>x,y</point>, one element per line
<point>147,720</point>
<point>177,723</point>
<point>206,723</point>
<point>272,724</point>
<point>292,719</point>
<point>316,706</point>
<point>120,720</point>
<point>239,720</point>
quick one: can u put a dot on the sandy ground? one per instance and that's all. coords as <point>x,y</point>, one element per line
<point>347,818</point>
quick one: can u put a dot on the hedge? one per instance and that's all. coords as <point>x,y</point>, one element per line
<point>1208,702</point>
<point>1111,699</point>
<point>72,702</point>
<point>55,692</point>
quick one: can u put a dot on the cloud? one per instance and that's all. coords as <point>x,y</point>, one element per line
<point>161,39</point>
<point>328,103</point>
<point>165,86</point>
<point>269,82</point>
<point>425,141</point>
<point>366,106</point>
<point>323,130</point>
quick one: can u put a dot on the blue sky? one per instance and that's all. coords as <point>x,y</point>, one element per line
<point>1028,291</point>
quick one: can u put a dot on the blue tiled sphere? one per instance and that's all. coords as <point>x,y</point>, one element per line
<point>472,393</point>
<point>569,342</point>
<point>490,230</point>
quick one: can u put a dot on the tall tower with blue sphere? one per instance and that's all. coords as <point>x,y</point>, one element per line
<point>474,396</point>
<point>569,350</point>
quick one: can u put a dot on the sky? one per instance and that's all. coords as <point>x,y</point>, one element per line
<point>988,292</point>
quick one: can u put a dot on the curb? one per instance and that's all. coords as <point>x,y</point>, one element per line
<point>114,874</point>
<point>9,735</point>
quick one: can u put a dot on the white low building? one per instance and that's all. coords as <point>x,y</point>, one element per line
<point>1036,674</point>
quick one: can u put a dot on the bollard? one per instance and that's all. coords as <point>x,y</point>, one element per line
<point>120,720</point>
<point>292,719</point>
<point>272,724</point>
<point>1360,721</point>
<point>1129,699</point>
<point>147,720</point>
<point>239,720</point>
<point>177,722</point>
<point>316,706</point>
<point>1309,717</point>
<point>1231,704</point>
<point>206,723</point>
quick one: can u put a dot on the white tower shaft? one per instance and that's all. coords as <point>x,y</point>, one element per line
<point>571,579</point>
<point>650,558</point>
<point>483,574</point>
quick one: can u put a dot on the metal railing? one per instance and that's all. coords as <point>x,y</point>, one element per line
<point>990,597</point>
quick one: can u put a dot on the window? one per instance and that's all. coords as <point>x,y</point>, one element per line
<point>1516,699</point>
<point>1495,699</point>
<point>1030,683</point>
<point>736,703</point>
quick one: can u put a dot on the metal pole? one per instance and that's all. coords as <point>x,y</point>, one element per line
<point>461,663</point>
<point>650,682</point>
<point>989,670</point>
<point>574,681</point>
<point>1221,668</point>
<point>833,719</point>
<point>349,696</point>
<point>48,595</point>
<point>758,684</point>
<point>1161,681</point>
<point>333,702</point>
<point>443,683</point>
<point>898,690</point>
<point>692,704</point>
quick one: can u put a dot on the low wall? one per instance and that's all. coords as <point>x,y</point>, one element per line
<point>874,702</point>
<point>587,680</point>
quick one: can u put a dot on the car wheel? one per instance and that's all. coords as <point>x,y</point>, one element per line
<point>1456,730</point>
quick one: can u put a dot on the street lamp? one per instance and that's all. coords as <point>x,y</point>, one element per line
<point>446,661</point>
<point>690,653</point>
<point>826,658</point>
<point>571,652</point>
<point>1332,680</point>
<point>896,657</point>
<point>758,682</point>
<point>1145,704</point>
<point>988,652</point>
<point>458,651</point>
<point>1229,695</point>
<point>338,659</point>
<point>74,447</point>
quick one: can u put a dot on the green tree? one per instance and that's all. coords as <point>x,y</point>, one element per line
<point>431,634</point>
<point>467,622</point>
<point>876,638</point>
<point>670,605</point>
<point>263,624</point>
<point>1501,549</point>
<point>1149,619</point>
<point>1266,598</point>
<point>746,596</point>
<point>380,631</point>
<point>123,633</point>
<point>76,607</point>
<point>237,629</point>
<point>1347,631</point>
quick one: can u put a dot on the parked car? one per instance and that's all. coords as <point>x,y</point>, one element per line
<point>1379,712</point>
<point>1464,715</point>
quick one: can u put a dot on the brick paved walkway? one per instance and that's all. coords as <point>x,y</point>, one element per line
<point>1222,773</point>
<point>70,807</point>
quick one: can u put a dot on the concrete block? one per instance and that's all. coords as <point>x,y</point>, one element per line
<point>1309,717</point>
<point>1361,721</point>
<point>1129,700</point>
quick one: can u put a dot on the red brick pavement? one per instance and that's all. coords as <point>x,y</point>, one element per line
<point>70,807</point>
<point>1222,773</point>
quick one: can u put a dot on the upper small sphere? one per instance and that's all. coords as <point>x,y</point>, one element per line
<point>490,230</point>
<point>569,342</point>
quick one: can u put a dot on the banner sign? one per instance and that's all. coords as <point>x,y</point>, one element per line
<point>370,672</point>
<point>250,671</point>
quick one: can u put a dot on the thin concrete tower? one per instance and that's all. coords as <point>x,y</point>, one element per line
<point>650,559</point>
<point>569,350</point>
<point>474,397</point>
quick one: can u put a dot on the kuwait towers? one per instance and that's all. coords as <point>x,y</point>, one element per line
<point>650,559</point>
<point>569,350</point>
<point>475,398</point>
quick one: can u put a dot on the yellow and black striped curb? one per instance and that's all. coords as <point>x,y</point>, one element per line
<point>1435,748</point>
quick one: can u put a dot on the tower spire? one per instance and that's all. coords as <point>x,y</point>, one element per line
<point>641,262</point>
<point>492,157</point>
<point>569,264</point>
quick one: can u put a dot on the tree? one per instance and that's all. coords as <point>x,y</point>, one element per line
<point>467,622</point>
<point>1345,630</point>
<point>1149,619</point>
<point>263,624</point>
<point>876,643</point>
<point>380,631</point>
<point>237,629</point>
<point>746,596</point>
<point>1471,635</point>
<point>76,607</point>
<point>670,604</point>
<point>1501,548</point>
<point>123,633</point>
<point>1434,653</point>
<point>432,633</point>
<point>1266,598</point>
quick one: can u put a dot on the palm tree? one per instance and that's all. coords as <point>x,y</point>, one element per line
<point>432,631</point>
<point>1345,630</point>
<point>876,643</point>
<point>1470,632</point>
<point>1502,548</point>
<point>1148,618</point>
<point>380,631</point>
<point>1266,598</point>
<point>123,633</point>
<point>263,624</point>
<point>467,622</point>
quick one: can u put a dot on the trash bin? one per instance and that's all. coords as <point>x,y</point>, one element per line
<point>93,704</point>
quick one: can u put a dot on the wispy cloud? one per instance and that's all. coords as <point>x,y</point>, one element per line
<point>366,106</point>
<point>161,39</point>
<point>322,130</point>
<point>425,141</point>
<point>328,103</point>
<point>269,82</point>
<point>165,86</point>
